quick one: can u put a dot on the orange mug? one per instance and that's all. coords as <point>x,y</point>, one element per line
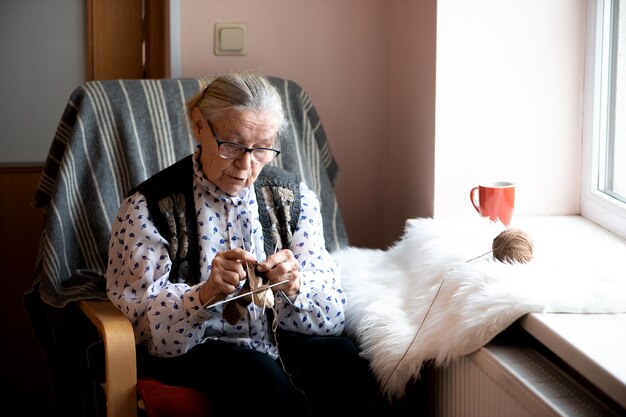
<point>495,200</point>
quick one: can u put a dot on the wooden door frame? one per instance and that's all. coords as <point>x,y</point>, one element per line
<point>127,39</point>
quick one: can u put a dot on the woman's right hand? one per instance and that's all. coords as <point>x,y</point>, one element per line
<point>227,269</point>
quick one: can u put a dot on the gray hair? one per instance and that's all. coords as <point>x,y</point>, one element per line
<point>240,91</point>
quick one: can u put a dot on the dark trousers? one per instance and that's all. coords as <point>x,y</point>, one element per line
<point>335,378</point>
<point>315,375</point>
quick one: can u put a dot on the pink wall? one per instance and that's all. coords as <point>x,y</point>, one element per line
<point>411,115</point>
<point>337,51</point>
<point>421,99</point>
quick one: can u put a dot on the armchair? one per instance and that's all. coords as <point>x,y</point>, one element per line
<point>113,135</point>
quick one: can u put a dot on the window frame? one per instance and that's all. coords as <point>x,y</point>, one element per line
<point>595,205</point>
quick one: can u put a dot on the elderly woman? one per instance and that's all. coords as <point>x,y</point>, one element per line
<point>190,242</point>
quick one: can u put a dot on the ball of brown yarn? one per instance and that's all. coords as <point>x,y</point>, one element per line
<point>513,245</point>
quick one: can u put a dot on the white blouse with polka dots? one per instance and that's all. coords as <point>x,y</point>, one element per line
<point>169,318</point>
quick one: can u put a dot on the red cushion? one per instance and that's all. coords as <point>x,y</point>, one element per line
<point>161,400</point>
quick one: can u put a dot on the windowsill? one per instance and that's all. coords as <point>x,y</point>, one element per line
<point>592,344</point>
<point>589,343</point>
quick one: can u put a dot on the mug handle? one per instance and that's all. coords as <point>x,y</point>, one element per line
<point>472,198</point>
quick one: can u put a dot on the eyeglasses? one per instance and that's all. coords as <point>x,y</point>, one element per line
<point>230,150</point>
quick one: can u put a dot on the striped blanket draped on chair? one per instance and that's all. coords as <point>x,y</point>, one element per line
<point>113,135</point>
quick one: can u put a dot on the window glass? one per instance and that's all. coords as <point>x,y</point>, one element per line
<point>613,182</point>
<point>603,192</point>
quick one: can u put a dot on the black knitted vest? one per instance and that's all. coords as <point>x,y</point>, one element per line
<point>169,195</point>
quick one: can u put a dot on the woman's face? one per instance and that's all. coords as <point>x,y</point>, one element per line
<point>247,128</point>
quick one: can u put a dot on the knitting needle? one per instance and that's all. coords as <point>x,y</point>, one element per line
<point>265,294</point>
<point>248,275</point>
<point>253,291</point>
<point>248,293</point>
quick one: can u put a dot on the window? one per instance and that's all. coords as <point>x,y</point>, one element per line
<point>603,194</point>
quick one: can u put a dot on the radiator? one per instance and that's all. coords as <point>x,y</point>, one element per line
<point>509,380</point>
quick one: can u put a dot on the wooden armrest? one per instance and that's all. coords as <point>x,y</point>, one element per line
<point>120,359</point>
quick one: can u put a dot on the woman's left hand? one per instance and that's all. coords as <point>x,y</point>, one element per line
<point>281,266</point>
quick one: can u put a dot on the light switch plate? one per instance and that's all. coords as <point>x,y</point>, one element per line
<point>230,38</point>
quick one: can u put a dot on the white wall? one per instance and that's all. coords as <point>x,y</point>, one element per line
<point>509,91</point>
<point>43,56</point>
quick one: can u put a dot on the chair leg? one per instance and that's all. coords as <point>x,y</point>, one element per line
<point>120,357</point>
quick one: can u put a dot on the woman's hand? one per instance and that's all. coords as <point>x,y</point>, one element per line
<point>227,269</point>
<point>281,266</point>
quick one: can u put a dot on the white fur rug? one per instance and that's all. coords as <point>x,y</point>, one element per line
<point>391,292</point>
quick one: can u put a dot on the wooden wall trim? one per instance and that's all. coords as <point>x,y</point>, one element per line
<point>30,168</point>
<point>20,231</point>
